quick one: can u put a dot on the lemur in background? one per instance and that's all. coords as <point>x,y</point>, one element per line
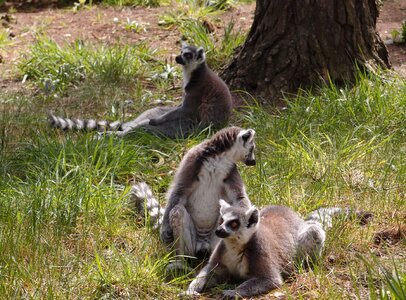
<point>206,101</point>
<point>260,248</point>
<point>206,173</point>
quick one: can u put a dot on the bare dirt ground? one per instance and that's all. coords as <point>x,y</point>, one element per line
<point>107,24</point>
<point>392,15</point>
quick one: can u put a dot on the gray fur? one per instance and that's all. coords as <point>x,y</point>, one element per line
<point>260,252</point>
<point>206,101</point>
<point>206,173</point>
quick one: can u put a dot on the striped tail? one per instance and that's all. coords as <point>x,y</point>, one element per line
<point>87,125</point>
<point>144,201</point>
<point>325,215</point>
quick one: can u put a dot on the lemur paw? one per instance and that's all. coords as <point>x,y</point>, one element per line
<point>154,122</point>
<point>203,250</point>
<point>176,269</point>
<point>167,236</point>
<point>189,295</point>
<point>230,294</point>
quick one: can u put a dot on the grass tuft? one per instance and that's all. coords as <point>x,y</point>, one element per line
<point>218,49</point>
<point>134,3</point>
<point>57,68</point>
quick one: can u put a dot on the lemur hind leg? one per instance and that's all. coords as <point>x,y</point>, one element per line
<point>178,128</point>
<point>254,286</point>
<point>184,231</point>
<point>143,119</point>
<point>140,122</point>
<point>184,234</point>
<point>311,239</point>
<point>173,129</point>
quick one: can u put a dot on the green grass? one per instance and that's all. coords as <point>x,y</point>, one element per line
<point>329,137</point>
<point>211,5</point>
<point>193,11</point>
<point>55,67</point>
<point>4,39</point>
<point>393,281</point>
<point>144,3</point>
<point>63,208</point>
<point>177,17</point>
<point>66,230</point>
<point>196,24</point>
<point>218,48</point>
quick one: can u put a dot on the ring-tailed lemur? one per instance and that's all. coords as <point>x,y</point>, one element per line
<point>206,101</point>
<point>206,173</point>
<point>258,249</point>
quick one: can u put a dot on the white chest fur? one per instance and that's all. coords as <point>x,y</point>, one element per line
<point>187,74</point>
<point>203,203</point>
<point>235,261</point>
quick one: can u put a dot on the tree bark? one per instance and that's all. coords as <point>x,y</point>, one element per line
<point>294,44</point>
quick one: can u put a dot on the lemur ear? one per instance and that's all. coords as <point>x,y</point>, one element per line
<point>247,135</point>
<point>223,205</point>
<point>253,216</point>
<point>200,54</point>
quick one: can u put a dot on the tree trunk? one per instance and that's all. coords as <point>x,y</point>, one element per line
<point>297,43</point>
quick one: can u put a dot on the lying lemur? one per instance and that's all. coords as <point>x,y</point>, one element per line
<point>259,248</point>
<point>206,101</point>
<point>206,173</point>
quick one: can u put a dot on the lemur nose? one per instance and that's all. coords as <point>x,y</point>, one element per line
<point>179,60</point>
<point>250,162</point>
<point>221,233</point>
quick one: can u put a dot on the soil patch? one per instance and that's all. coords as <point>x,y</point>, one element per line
<point>390,236</point>
<point>391,16</point>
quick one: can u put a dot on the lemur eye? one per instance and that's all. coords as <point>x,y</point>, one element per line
<point>234,225</point>
<point>221,221</point>
<point>188,55</point>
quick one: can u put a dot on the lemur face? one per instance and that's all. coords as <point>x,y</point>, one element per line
<point>246,146</point>
<point>191,56</point>
<point>236,222</point>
